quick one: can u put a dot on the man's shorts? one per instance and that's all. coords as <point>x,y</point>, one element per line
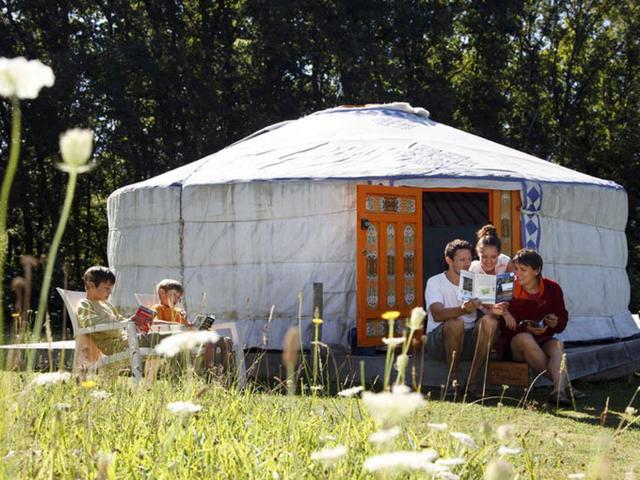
<point>435,344</point>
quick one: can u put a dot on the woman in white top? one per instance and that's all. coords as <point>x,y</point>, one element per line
<point>491,262</point>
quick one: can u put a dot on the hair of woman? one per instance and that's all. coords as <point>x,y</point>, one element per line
<point>488,237</point>
<point>530,258</point>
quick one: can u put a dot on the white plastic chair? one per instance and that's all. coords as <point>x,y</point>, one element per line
<point>85,346</point>
<point>147,299</point>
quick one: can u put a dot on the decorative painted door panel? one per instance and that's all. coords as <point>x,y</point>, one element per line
<point>389,261</point>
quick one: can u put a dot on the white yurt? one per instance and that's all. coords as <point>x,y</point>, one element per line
<point>362,200</point>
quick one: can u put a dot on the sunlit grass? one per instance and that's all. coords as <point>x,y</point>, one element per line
<point>66,430</point>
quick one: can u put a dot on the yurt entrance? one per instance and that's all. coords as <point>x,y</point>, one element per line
<point>402,232</point>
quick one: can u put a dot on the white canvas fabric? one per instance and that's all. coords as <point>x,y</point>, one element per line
<point>254,223</point>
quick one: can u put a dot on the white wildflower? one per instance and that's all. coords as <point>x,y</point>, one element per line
<point>105,463</point>
<point>383,436</point>
<point>390,407</point>
<point>350,392</point>
<point>183,407</point>
<point>23,78</point>
<point>329,455</point>
<point>401,460</point>
<point>630,411</point>
<point>61,406</point>
<point>499,470</point>
<point>51,378</point>
<point>416,321</point>
<point>450,462</point>
<point>100,394</point>
<point>76,146</point>
<point>505,432</point>
<point>400,389</point>
<point>447,476</point>
<point>174,344</point>
<point>401,362</point>
<point>464,439</point>
<point>438,427</point>
<point>394,341</point>
<point>316,388</point>
<point>504,450</point>
<point>576,476</point>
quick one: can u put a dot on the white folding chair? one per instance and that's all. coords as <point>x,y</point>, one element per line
<point>147,299</point>
<point>237,348</point>
<point>87,353</point>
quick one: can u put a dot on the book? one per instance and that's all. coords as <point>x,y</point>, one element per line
<point>203,322</point>
<point>489,289</point>
<point>143,318</point>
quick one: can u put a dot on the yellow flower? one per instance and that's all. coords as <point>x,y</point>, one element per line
<point>391,315</point>
<point>88,384</point>
<point>317,321</point>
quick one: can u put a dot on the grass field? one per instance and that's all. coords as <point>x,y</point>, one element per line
<point>111,428</point>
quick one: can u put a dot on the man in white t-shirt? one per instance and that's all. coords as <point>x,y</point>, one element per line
<point>453,328</point>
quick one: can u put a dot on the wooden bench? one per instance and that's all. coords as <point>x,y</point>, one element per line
<point>508,373</point>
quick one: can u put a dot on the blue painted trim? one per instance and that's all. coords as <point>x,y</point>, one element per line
<point>612,185</point>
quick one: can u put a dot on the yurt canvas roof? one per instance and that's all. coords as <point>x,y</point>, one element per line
<point>393,141</point>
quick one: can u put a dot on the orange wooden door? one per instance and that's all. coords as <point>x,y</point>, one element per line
<point>389,260</point>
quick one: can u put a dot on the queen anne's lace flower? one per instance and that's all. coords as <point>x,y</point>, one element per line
<point>383,436</point>
<point>180,408</point>
<point>498,470</point>
<point>393,342</point>
<point>174,344</point>
<point>329,455</point>
<point>504,450</point>
<point>23,78</point>
<point>439,427</point>
<point>403,460</point>
<point>388,408</point>
<point>450,462</point>
<point>51,378</point>
<point>505,432</point>
<point>350,392</point>
<point>464,439</point>
<point>100,394</point>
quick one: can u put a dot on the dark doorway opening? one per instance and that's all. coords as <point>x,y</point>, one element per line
<point>445,217</point>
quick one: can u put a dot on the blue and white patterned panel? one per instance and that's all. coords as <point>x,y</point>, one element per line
<point>531,194</point>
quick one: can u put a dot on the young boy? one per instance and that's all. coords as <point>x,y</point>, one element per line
<point>96,310</point>
<point>170,293</point>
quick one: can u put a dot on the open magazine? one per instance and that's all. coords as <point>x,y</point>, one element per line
<point>489,289</point>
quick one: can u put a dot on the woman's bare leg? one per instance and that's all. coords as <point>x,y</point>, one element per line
<point>555,350</point>
<point>525,349</point>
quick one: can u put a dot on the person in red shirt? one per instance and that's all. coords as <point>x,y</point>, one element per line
<point>536,313</point>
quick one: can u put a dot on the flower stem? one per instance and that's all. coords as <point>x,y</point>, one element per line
<point>388,364</point>
<point>7,181</point>
<point>51,260</point>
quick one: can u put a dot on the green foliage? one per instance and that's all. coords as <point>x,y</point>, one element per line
<point>166,83</point>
